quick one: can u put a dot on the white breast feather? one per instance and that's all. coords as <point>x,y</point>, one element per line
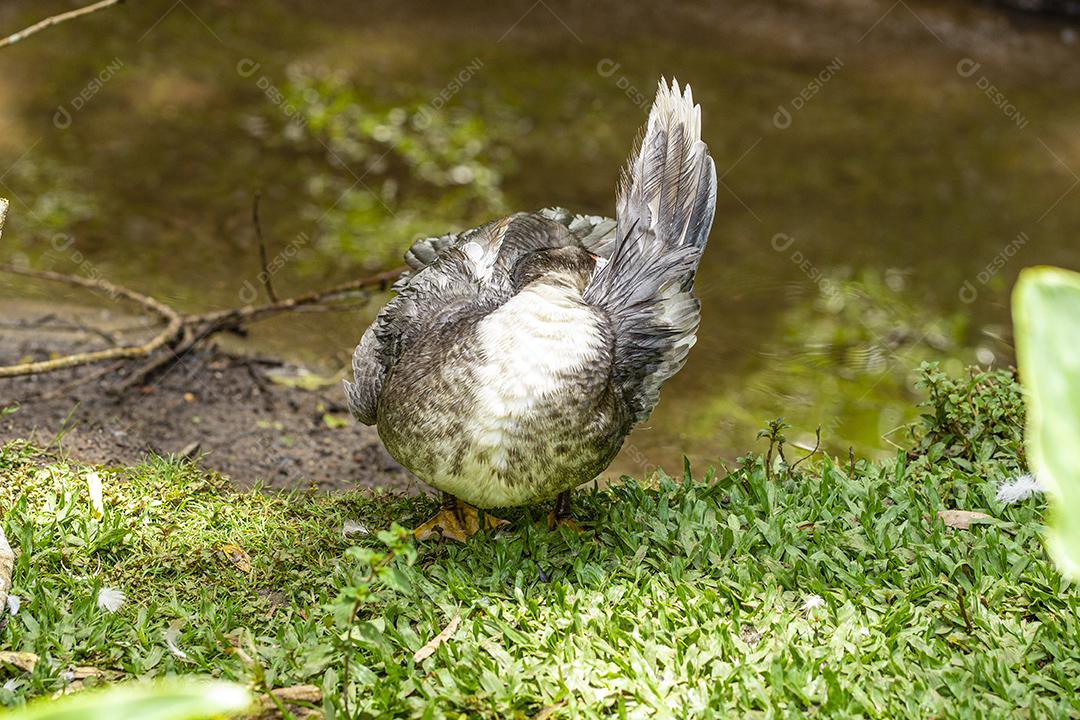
<point>538,335</point>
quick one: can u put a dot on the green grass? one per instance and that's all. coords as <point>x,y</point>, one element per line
<point>685,597</point>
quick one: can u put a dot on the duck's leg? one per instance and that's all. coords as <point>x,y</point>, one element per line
<point>456,520</point>
<point>560,516</point>
<point>448,522</point>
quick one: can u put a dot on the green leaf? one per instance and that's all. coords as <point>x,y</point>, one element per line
<point>334,422</point>
<point>1046,315</point>
<point>164,700</point>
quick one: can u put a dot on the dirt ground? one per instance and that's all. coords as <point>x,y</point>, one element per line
<point>225,410</point>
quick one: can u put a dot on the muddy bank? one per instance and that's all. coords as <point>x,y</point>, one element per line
<point>231,412</point>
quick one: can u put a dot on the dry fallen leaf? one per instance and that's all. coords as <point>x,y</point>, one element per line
<point>433,644</point>
<point>299,693</point>
<point>238,557</point>
<point>93,484</point>
<point>289,696</point>
<point>21,660</point>
<point>962,519</point>
<point>81,672</point>
<point>84,676</point>
<point>549,710</point>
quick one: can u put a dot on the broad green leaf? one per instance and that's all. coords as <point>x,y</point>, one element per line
<point>1046,316</point>
<point>164,700</point>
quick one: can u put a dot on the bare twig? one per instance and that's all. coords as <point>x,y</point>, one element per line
<point>249,313</point>
<point>188,340</point>
<point>55,324</point>
<point>56,20</point>
<point>89,378</point>
<point>265,275</point>
<point>817,446</point>
<point>172,327</point>
<point>961,600</point>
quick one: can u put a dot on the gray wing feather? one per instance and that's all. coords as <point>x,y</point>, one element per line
<point>424,299</point>
<point>664,213</point>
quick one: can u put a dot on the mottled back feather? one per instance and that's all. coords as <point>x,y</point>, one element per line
<point>466,272</point>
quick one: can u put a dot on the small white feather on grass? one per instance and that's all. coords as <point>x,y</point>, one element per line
<point>93,485</point>
<point>110,599</point>
<point>1018,489</point>
<point>354,527</point>
<point>811,602</point>
<point>171,637</point>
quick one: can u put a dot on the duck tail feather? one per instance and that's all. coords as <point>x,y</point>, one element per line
<point>665,209</point>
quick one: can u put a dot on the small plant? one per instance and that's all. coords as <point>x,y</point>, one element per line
<point>376,576</point>
<point>973,419</point>
<point>774,433</point>
<point>1046,313</point>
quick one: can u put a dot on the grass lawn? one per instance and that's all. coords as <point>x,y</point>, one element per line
<point>824,589</point>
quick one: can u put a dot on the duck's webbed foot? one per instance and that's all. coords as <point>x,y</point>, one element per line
<point>560,516</point>
<point>457,520</point>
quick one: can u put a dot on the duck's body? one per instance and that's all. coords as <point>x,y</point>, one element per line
<point>512,406</point>
<point>515,360</point>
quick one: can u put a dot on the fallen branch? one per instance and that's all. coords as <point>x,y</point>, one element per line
<point>173,325</point>
<point>54,323</point>
<point>187,341</point>
<point>184,330</point>
<point>56,20</point>
<point>88,378</point>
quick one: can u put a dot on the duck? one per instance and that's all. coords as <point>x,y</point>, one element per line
<point>516,357</point>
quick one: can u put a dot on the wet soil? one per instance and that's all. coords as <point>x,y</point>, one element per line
<point>223,409</point>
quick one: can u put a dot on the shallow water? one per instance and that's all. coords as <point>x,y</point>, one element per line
<point>885,172</point>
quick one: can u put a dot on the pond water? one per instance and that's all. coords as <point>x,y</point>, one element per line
<point>886,170</point>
